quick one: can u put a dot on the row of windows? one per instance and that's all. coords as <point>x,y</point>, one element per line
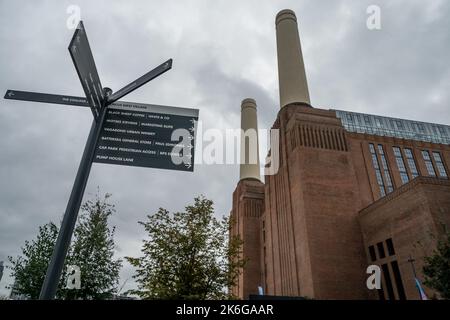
<point>395,124</point>
<point>386,274</point>
<point>385,184</point>
<point>381,251</point>
<point>439,164</point>
<point>400,128</point>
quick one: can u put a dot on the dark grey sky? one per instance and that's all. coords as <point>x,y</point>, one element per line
<point>223,51</point>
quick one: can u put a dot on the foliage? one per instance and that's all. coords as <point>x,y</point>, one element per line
<point>29,268</point>
<point>188,255</point>
<point>93,250</point>
<point>437,268</point>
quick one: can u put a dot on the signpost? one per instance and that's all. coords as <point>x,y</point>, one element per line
<point>122,133</point>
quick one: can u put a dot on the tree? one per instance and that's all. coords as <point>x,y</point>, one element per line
<point>29,269</point>
<point>93,250</point>
<point>187,255</point>
<point>437,268</point>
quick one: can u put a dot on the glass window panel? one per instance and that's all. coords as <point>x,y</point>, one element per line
<point>439,164</point>
<point>378,122</point>
<point>428,163</point>
<point>349,117</point>
<point>399,125</point>
<point>430,169</point>
<point>401,165</point>
<point>376,166</point>
<point>404,177</point>
<point>411,163</point>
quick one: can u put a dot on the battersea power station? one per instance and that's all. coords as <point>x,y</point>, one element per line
<point>351,190</point>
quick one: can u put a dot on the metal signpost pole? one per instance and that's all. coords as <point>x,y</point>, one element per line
<point>56,264</point>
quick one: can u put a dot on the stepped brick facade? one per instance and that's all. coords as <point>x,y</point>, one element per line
<point>309,229</point>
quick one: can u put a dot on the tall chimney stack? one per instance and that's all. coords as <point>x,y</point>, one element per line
<point>291,69</point>
<point>249,168</point>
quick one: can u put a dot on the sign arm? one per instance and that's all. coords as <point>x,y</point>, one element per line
<point>159,70</point>
<point>46,98</point>
<point>83,60</point>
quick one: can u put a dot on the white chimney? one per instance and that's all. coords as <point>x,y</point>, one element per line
<point>291,69</point>
<point>249,168</point>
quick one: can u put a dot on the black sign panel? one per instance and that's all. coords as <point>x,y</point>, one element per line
<point>46,98</point>
<point>81,54</point>
<point>147,135</point>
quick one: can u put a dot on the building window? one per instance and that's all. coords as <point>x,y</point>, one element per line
<point>372,254</point>
<point>390,247</point>
<point>376,166</point>
<point>387,280</point>
<point>401,165</point>
<point>381,252</point>
<point>399,125</point>
<point>378,122</point>
<point>428,163</point>
<point>421,127</point>
<point>439,164</point>
<point>411,163</point>
<point>349,117</point>
<point>387,174</point>
<point>442,131</point>
<point>398,280</point>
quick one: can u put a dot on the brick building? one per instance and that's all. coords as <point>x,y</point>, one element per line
<point>352,190</point>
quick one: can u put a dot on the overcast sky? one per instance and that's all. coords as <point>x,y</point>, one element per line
<point>223,51</point>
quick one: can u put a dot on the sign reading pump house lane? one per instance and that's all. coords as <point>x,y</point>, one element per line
<point>146,135</point>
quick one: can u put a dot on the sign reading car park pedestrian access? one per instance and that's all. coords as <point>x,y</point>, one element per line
<point>122,133</point>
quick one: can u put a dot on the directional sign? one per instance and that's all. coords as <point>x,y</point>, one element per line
<point>146,135</point>
<point>166,66</point>
<point>81,54</point>
<point>46,98</point>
